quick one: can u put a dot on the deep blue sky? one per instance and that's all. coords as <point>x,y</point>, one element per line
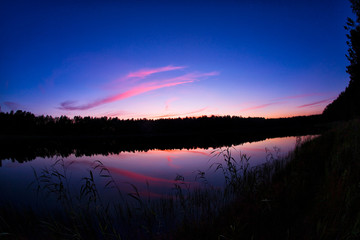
<point>172,58</point>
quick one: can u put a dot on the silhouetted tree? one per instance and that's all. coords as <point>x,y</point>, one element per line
<point>46,136</point>
<point>347,105</point>
<point>27,124</point>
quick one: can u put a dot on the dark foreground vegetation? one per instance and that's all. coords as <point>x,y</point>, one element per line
<point>314,193</point>
<point>315,196</point>
<point>311,194</point>
<point>347,104</point>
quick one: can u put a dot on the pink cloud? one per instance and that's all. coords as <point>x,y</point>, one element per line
<point>143,88</point>
<point>260,106</point>
<point>167,103</point>
<point>146,72</point>
<point>140,89</point>
<point>197,111</point>
<point>180,114</point>
<point>191,76</point>
<point>316,103</point>
<point>112,114</point>
<point>143,73</point>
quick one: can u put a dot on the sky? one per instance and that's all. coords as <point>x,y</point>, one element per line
<point>169,59</point>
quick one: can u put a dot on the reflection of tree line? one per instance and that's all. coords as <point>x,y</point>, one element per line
<point>26,136</point>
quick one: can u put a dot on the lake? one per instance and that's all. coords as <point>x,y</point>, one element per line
<point>151,173</point>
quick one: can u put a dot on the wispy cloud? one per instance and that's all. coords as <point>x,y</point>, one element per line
<point>112,114</point>
<point>261,106</point>
<point>299,96</point>
<point>180,114</point>
<point>141,74</point>
<point>148,71</point>
<point>12,105</point>
<point>287,99</point>
<point>316,103</point>
<point>140,89</point>
<point>143,88</point>
<point>168,102</point>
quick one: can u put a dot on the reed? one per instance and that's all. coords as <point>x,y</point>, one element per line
<point>311,192</point>
<point>83,214</point>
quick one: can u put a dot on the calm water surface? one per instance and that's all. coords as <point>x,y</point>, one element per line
<point>158,168</point>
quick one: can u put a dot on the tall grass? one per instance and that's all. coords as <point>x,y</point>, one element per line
<point>84,214</point>
<point>313,195</point>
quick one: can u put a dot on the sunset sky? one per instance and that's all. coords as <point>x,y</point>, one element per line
<point>154,59</point>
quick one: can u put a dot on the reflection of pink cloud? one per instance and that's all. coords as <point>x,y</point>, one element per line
<point>146,72</point>
<point>316,103</point>
<point>260,106</point>
<point>171,164</point>
<point>176,151</point>
<point>142,88</point>
<point>198,152</point>
<point>139,177</point>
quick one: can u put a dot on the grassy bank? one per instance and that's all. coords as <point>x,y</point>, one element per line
<point>315,196</point>
<point>312,194</point>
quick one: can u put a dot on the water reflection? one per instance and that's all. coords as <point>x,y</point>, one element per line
<point>152,171</point>
<point>28,149</point>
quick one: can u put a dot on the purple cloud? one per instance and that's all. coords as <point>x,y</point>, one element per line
<point>316,103</point>
<point>261,106</point>
<point>12,105</point>
<point>140,89</point>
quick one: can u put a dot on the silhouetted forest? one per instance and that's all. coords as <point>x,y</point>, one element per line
<point>347,105</point>
<point>25,136</point>
<point>23,123</point>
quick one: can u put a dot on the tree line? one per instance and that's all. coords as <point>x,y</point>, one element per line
<point>347,104</point>
<point>26,123</point>
<point>24,136</point>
